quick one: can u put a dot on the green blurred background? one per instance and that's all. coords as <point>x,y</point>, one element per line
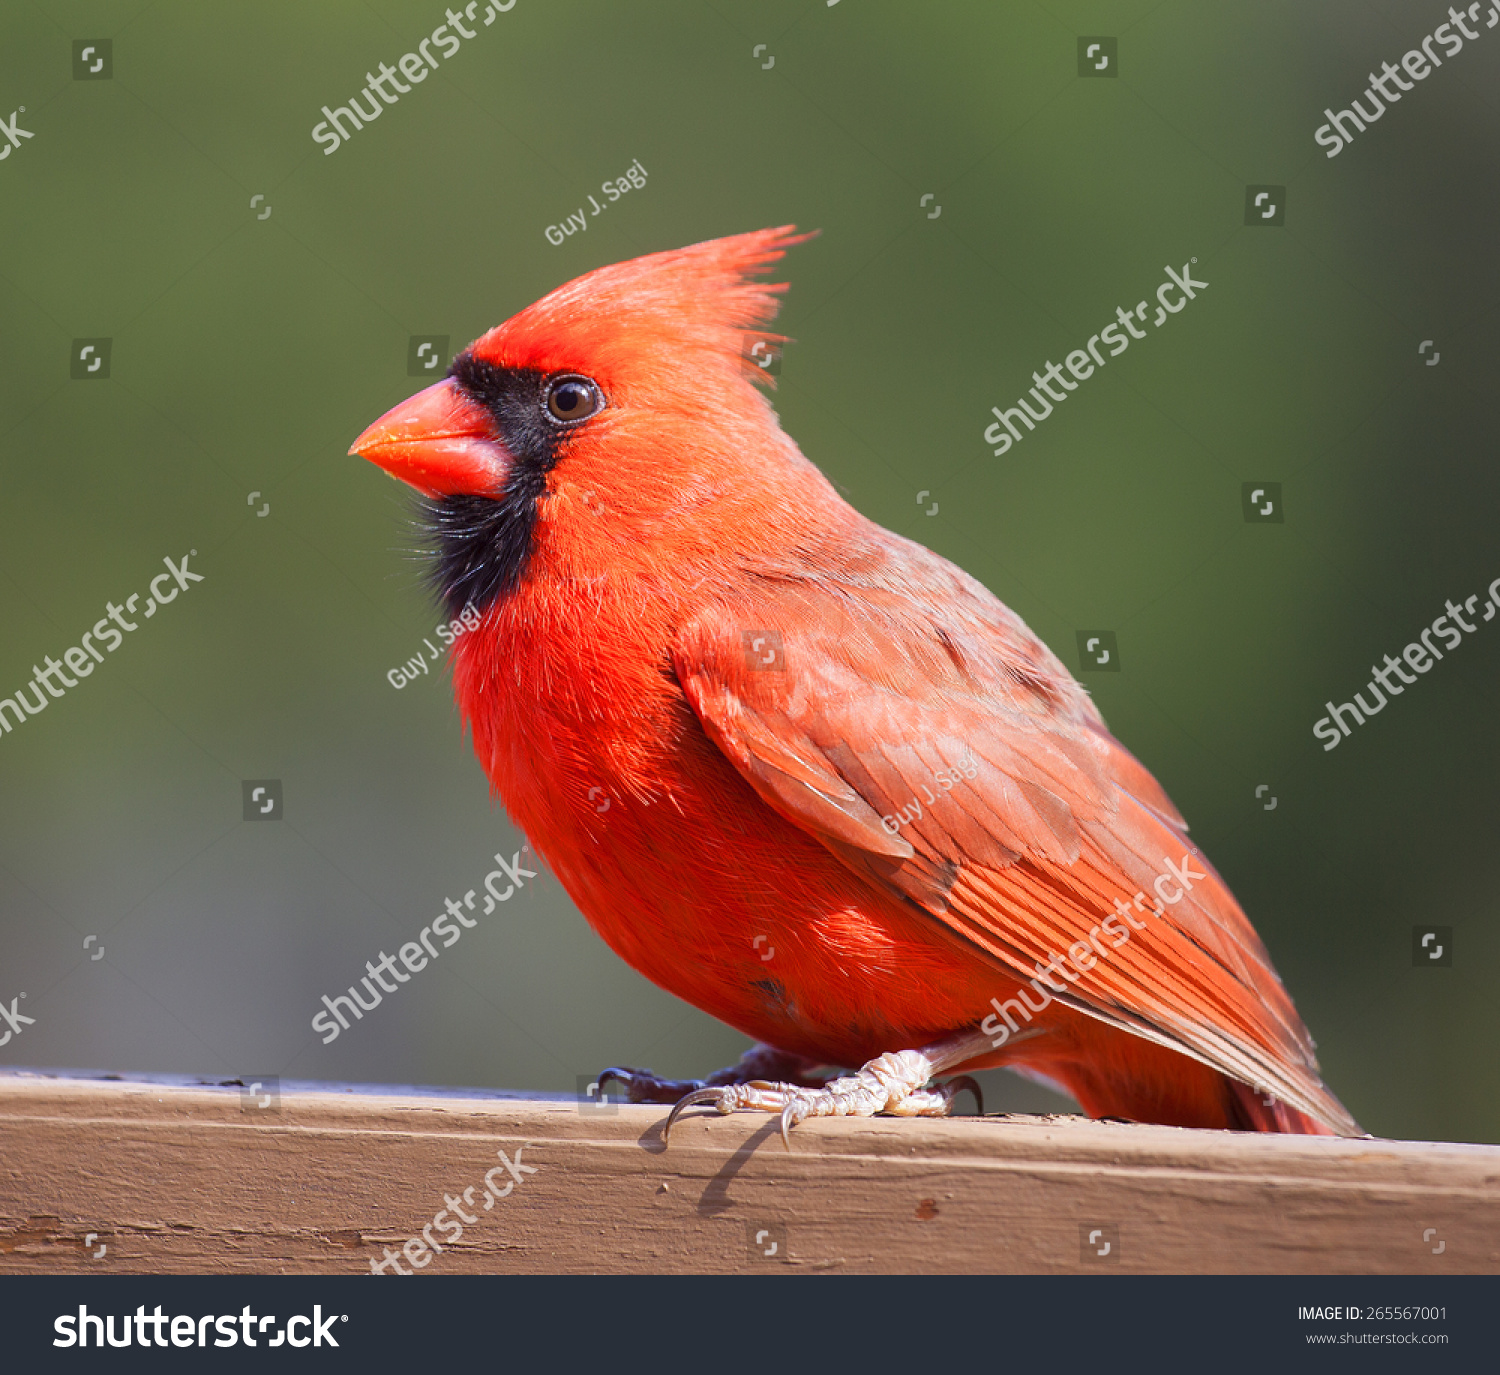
<point>249,349</point>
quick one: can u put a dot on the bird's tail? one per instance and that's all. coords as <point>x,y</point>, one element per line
<point>1119,1075</point>
<point>1260,1112</point>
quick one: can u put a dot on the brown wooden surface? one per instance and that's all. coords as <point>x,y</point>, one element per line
<point>173,1177</point>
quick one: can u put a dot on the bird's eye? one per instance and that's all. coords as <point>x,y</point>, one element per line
<point>571,399</point>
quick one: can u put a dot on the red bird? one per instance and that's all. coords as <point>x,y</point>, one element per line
<point>857,809</point>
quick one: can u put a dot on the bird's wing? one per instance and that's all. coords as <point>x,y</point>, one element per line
<point>903,716</point>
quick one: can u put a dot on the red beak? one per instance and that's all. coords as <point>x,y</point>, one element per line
<point>440,442</point>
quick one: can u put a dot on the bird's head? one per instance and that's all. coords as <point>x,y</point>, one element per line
<point>618,413</point>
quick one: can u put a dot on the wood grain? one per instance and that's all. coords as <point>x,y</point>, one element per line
<point>175,1177</point>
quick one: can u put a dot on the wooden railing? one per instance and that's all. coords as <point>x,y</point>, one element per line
<point>101,1176</point>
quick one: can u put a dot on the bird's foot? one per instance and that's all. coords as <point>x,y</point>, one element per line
<point>897,1084</point>
<point>758,1063</point>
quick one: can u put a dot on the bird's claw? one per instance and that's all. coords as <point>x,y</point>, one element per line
<point>715,1096</point>
<point>967,1081</point>
<point>608,1077</point>
<point>642,1086</point>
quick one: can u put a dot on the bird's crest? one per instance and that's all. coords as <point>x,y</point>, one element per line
<point>636,319</point>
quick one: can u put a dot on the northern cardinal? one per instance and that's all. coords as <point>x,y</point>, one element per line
<point>800,771</point>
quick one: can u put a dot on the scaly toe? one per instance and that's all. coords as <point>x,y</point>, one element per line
<point>936,1101</point>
